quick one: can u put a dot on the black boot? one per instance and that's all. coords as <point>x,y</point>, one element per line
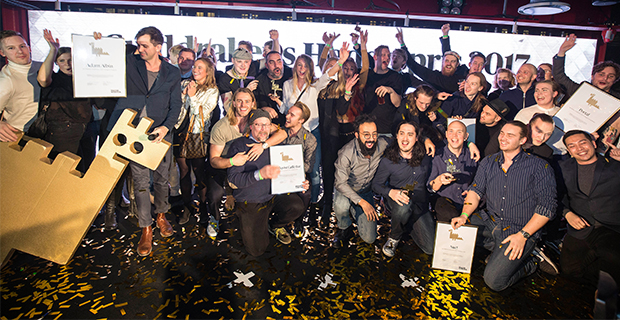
<point>342,237</point>
<point>185,215</point>
<point>110,213</point>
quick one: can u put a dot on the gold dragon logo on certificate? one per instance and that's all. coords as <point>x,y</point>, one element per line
<point>286,157</point>
<point>593,102</point>
<point>454,236</point>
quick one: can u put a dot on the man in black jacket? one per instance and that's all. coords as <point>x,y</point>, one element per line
<point>592,210</point>
<point>154,91</point>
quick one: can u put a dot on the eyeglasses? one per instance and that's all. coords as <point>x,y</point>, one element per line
<point>266,125</point>
<point>369,135</point>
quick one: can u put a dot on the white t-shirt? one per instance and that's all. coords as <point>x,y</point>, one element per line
<point>17,95</point>
<point>526,114</point>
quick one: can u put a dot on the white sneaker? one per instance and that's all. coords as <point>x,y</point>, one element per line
<point>389,248</point>
<point>213,228</point>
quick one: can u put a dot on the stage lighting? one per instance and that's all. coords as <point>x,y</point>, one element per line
<point>541,8</point>
<point>450,6</point>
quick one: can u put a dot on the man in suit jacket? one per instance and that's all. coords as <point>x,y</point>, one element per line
<point>592,210</point>
<point>154,91</point>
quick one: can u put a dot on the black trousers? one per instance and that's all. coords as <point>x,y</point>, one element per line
<point>215,189</point>
<point>600,250</point>
<point>255,219</point>
<point>445,209</point>
<point>65,136</point>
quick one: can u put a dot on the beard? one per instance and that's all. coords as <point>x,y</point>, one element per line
<point>367,151</point>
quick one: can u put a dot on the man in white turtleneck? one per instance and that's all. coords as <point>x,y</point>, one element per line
<point>19,90</point>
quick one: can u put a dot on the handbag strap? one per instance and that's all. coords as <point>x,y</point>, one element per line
<point>301,94</point>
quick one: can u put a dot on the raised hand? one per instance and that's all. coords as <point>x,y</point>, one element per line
<point>399,35</point>
<point>364,37</point>
<point>344,52</point>
<point>54,43</point>
<point>568,44</point>
<point>351,82</point>
<point>273,34</point>
<point>445,29</point>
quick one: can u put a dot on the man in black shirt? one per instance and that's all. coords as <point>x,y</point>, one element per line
<point>488,126</point>
<point>270,82</point>
<point>383,91</point>
<point>541,128</point>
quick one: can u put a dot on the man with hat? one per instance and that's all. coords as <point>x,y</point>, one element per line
<point>447,80</point>
<point>259,211</point>
<point>237,77</point>
<point>488,125</point>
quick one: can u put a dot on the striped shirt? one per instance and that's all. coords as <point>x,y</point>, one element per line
<point>514,196</point>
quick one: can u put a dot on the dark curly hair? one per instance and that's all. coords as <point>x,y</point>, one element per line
<point>393,151</point>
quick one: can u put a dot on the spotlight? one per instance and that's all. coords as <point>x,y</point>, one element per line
<point>601,3</point>
<point>450,6</point>
<point>541,8</point>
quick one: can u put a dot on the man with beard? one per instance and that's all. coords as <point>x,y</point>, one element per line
<point>522,96</point>
<point>491,120</point>
<point>477,59</point>
<point>186,62</point>
<point>259,211</point>
<point>401,180</point>
<point>452,172</point>
<point>445,81</point>
<point>355,168</point>
<point>270,82</point>
<point>520,193</point>
<point>383,91</point>
<point>19,96</point>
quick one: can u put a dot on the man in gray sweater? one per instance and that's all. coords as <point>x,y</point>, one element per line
<point>355,168</point>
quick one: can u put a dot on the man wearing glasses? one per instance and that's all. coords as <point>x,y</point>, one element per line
<point>355,168</point>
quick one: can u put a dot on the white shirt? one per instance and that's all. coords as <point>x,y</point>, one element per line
<point>17,95</point>
<point>290,92</point>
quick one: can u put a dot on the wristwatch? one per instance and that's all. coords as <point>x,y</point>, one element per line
<point>525,234</point>
<point>265,145</point>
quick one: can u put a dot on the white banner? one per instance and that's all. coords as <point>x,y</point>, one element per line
<point>503,50</point>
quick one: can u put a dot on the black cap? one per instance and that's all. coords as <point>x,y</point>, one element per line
<point>478,54</point>
<point>259,113</point>
<point>499,107</point>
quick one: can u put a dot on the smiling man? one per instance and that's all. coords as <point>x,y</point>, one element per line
<point>20,91</point>
<point>520,193</point>
<point>270,83</point>
<point>355,168</point>
<point>401,180</point>
<point>591,210</point>
<point>545,93</point>
<point>159,98</point>
<point>259,211</point>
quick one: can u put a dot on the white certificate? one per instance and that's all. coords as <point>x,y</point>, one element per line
<point>470,124</point>
<point>587,109</point>
<point>98,67</point>
<point>290,159</point>
<point>454,249</point>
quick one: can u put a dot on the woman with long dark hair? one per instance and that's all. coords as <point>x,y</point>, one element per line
<point>421,107</point>
<point>200,97</point>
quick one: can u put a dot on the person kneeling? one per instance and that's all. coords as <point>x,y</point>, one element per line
<point>401,180</point>
<point>254,202</point>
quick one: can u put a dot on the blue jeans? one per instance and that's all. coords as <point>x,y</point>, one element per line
<point>423,231</point>
<point>343,206</point>
<point>315,177</point>
<point>501,272</point>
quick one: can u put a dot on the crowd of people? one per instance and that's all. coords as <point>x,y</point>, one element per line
<point>368,139</point>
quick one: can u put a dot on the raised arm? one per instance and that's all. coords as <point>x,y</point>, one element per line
<point>365,59</point>
<point>559,75</point>
<point>445,40</point>
<point>46,70</point>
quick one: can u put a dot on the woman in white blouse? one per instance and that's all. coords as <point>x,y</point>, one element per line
<point>200,96</point>
<point>305,88</point>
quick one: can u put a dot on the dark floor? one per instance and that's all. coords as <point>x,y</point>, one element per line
<point>190,276</point>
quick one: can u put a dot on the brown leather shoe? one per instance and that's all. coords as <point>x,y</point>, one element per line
<point>165,229</point>
<point>146,242</point>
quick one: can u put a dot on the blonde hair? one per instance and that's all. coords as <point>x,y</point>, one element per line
<point>210,80</point>
<point>305,111</point>
<point>231,115</point>
<point>309,79</point>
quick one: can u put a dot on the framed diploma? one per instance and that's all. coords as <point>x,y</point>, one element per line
<point>98,67</point>
<point>470,124</point>
<point>588,109</point>
<point>454,249</point>
<point>290,159</point>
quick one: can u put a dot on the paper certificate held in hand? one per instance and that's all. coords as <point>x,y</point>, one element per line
<point>587,109</point>
<point>454,249</point>
<point>98,67</point>
<point>290,159</point>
